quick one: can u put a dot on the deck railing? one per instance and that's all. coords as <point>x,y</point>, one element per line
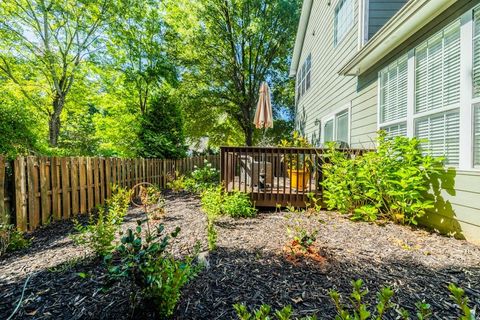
<point>275,176</point>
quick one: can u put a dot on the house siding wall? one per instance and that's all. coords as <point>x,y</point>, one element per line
<point>379,12</point>
<point>457,193</point>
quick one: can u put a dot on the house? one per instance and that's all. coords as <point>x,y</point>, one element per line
<point>411,68</point>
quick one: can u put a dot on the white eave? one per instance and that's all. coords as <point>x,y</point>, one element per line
<point>405,23</point>
<point>301,31</point>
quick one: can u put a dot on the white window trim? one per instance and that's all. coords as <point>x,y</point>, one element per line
<point>465,106</point>
<point>332,116</point>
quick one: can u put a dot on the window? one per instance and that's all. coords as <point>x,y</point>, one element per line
<point>443,134</point>
<point>476,53</point>
<point>304,77</point>
<point>393,92</point>
<point>336,128</point>
<point>344,13</point>
<point>396,130</point>
<point>476,133</point>
<point>437,76</point>
<point>328,131</point>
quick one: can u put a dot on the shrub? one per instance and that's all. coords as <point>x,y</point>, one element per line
<point>391,182</point>
<point>199,180</point>
<point>10,238</point>
<point>144,260</point>
<point>238,205</point>
<point>215,203</point>
<point>99,233</point>
<point>358,309</point>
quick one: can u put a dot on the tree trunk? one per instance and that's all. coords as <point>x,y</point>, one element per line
<point>249,136</point>
<point>54,121</point>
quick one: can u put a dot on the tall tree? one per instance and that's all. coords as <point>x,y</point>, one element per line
<point>231,46</point>
<point>138,47</point>
<point>52,37</point>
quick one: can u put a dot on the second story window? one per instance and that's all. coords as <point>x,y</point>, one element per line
<point>344,13</point>
<point>304,77</point>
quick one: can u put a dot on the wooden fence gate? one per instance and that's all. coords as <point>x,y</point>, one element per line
<point>37,190</point>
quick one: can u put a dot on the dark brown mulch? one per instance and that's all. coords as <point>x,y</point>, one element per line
<point>249,266</point>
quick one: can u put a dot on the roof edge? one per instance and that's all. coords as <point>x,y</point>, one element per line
<point>300,37</point>
<point>412,17</point>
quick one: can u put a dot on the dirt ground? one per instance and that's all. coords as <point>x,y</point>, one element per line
<point>249,266</point>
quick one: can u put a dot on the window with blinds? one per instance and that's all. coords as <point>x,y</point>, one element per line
<point>396,130</point>
<point>344,14</point>
<point>442,132</point>
<point>328,131</point>
<point>304,77</point>
<point>437,70</point>
<point>476,53</point>
<point>476,134</point>
<point>393,91</point>
<point>341,127</point>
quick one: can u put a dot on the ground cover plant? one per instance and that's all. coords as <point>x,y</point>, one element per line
<point>10,238</point>
<point>215,202</point>
<point>199,180</point>
<point>390,183</point>
<point>101,229</point>
<point>358,309</point>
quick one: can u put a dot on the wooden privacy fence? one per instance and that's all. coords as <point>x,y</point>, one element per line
<point>37,190</point>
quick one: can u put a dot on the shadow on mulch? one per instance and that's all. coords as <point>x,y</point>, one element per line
<point>255,278</point>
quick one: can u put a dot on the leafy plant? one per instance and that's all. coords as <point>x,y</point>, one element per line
<point>391,182</point>
<point>263,313</point>
<point>211,204</point>
<point>297,161</point>
<point>238,205</point>
<point>458,295</point>
<point>100,232</point>
<point>143,258</point>
<point>10,238</point>
<point>178,184</point>
<point>199,180</point>
<point>300,235</point>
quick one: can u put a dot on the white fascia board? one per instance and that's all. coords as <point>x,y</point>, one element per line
<point>405,23</point>
<point>301,31</point>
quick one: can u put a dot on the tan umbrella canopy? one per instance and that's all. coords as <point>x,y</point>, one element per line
<point>264,114</point>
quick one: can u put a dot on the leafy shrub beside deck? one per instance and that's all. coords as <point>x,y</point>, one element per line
<point>391,182</point>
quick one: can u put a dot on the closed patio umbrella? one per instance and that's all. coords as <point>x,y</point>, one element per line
<point>264,115</point>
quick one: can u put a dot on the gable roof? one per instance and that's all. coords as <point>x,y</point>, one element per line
<point>299,40</point>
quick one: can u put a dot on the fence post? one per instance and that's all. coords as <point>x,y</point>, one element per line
<point>20,190</point>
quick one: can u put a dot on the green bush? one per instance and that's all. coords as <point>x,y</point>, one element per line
<point>391,182</point>
<point>143,258</point>
<point>358,309</point>
<point>199,180</point>
<point>99,233</point>
<point>238,205</point>
<point>10,238</point>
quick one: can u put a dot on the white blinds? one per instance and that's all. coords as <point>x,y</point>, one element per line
<point>476,53</point>
<point>476,133</point>
<point>442,132</point>
<point>393,91</point>
<point>437,77</point>
<point>328,129</point>
<point>342,127</point>
<point>396,130</point>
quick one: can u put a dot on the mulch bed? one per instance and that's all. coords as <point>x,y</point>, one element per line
<point>249,266</point>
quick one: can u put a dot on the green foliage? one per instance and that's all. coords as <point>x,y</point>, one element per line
<point>211,204</point>
<point>10,238</point>
<point>361,310</point>
<point>238,205</point>
<point>263,313</point>
<point>391,182</point>
<point>16,135</point>
<point>161,133</point>
<point>99,233</point>
<point>143,258</point>
<point>206,176</point>
<point>294,161</point>
<point>458,295</point>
